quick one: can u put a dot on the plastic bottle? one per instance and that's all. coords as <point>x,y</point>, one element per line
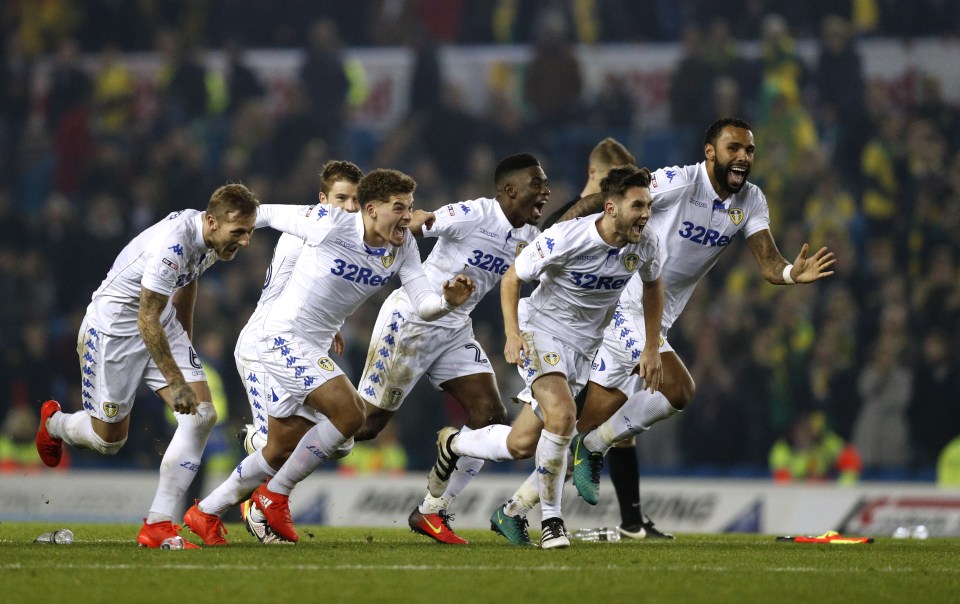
<point>597,534</point>
<point>172,543</point>
<point>61,537</point>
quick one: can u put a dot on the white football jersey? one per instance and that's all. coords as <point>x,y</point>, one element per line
<point>694,227</point>
<point>474,239</point>
<point>285,255</point>
<point>335,272</point>
<point>163,258</point>
<point>581,278</point>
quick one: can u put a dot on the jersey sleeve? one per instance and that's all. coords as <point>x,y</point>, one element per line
<point>455,220</point>
<point>311,223</point>
<point>650,266</point>
<point>547,250</point>
<point>758,215</point>
<point>429,304</point>
<point>164,262</point>
<point>666,185</point>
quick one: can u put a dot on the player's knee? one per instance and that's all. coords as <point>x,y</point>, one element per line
<point>373,424</point>
<point>680,394</point>
<point>349,420</point>
<point>683,394</point>
<point>481,416</point>
<point>522,447</point>
<point>106,448</point>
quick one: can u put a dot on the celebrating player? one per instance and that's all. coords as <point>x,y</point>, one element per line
<point>481,238</point>
<point>697,212</point>
<point>553,334</point>
<point>347,258</point>
<point>138,328</point>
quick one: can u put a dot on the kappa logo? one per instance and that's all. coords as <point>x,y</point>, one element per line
<point>326,364</point>
<point>551,358</point>
<point>630,261</point>
<point>736,215</point>
<point>111,409</point>
<point>387,260</point>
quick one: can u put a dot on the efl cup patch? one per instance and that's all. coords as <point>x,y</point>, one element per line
<point>736,215</point>
<point>387,260</point>
<point>326,364</point>
<point>551,358</point>
<point>111,409</point>
<point>630,261</point>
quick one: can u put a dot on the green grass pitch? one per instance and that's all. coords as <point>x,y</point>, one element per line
<point>392,565</point>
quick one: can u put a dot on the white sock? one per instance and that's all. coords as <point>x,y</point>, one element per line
<point>247,476</point>
<point>467,469</point>
<point>181,460</point>
<point>551,460</point>
<point>76,429</point>
<point>524,498</point>
<point>316,446</point>
<point>488,443</point>
<point>433,505</point>
<point>637,414</point>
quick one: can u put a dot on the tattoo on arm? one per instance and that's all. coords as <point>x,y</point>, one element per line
<point>591,204</point>
<point>154,338</point>
<point>768,257</point>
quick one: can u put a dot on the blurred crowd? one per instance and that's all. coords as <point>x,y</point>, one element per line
<point>869,171</point>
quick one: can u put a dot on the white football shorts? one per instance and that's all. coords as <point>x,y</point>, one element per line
<point>112,368</point>
<point>402,351</point>
<point>623,342</point>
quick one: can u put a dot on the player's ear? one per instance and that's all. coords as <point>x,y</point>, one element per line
<point>709,152</point>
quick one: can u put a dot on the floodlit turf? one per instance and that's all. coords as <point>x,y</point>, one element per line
<point>390,565</point>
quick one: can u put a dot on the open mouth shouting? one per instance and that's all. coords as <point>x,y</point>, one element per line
<point>736,177</point>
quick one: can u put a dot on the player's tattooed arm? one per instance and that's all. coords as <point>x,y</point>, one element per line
<point>805,269</point>
<point>155,340</point>
<point>591,204</point>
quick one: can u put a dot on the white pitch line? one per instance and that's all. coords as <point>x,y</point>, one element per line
<point>152,565</point>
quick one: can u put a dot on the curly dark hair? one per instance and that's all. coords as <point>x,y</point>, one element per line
<point>382,184</point>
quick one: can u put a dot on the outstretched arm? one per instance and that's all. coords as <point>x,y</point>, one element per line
<point>805,269</point>
<point>591,204</point>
